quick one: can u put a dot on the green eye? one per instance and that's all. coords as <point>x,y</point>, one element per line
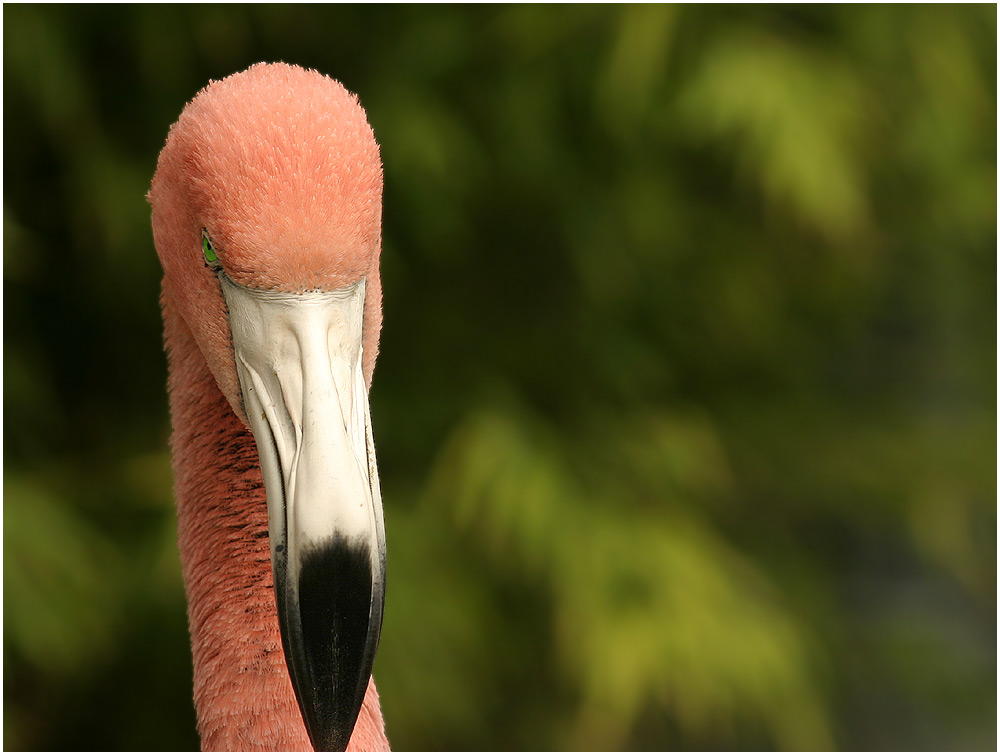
<point>207,249</point>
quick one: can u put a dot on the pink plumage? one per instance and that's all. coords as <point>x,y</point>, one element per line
<point>281,164</point>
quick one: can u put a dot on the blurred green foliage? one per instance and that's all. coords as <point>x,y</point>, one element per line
<point>686,400</point>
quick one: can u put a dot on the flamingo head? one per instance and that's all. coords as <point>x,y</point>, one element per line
<point>266,207</point>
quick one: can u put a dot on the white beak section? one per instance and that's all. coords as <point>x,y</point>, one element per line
<point>298,357</point>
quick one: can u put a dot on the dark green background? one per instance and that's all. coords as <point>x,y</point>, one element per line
<point>686,401</point>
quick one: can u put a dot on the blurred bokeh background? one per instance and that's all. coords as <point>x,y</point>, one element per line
<point>685,406</point>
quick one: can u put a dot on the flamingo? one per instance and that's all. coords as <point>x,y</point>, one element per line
<point>266,214</point>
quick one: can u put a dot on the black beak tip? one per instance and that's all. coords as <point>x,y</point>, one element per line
<point>331,740</point>
<point>330,622</point>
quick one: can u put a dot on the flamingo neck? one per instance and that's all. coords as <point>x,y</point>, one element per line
<point>242,692</point>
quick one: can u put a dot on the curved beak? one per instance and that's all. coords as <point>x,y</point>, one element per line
<point>298,357</point>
